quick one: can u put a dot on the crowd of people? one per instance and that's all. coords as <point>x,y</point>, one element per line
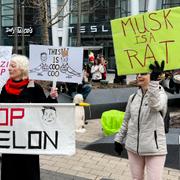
<point>94,70</point>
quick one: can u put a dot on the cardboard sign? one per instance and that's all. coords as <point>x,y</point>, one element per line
<point>61,63</point>
<point>140,40</point>
<point>37,128</point>
<point>5,56</point>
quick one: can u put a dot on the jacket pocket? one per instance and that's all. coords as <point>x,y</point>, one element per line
<point>147,143</point>
<point>131,141</point>
<point>155,138</point>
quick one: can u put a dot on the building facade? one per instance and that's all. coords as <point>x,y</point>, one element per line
<point>20,25</point>
<point>60,29</point>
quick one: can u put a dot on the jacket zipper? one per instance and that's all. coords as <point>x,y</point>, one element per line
<point>155,137</point>
<point>139,125</point>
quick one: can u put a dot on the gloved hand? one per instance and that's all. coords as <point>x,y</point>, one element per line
<point>118,147</point>
<point>157,70</point>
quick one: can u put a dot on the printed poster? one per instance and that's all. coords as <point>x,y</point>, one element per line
<point>5,56</point>
<point>63,64</point>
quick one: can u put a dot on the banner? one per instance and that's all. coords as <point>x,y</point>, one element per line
<point>61,63</point>
<point>140,40</point>
<point>5,56</point>
<point>37,128</point>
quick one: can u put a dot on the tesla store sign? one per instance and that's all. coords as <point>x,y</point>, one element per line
<point>28,31</point>
<point>90,29</point>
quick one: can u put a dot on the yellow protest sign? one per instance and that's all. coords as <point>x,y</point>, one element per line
<point>140,40</point>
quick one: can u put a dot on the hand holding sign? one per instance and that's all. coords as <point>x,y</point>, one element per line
<point>54,93</point>
<point>157,70</point>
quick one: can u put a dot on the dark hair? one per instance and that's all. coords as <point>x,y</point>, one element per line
<point>48,107</point>
<point>43,53</point>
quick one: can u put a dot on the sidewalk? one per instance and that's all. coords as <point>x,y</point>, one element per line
<point>90,164</point>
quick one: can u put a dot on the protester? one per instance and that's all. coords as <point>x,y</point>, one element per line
<point>174,82</point>
<point>19,89</point>
<point>74,88</point>
<point>104,64</point>
<point>97,70</point>
<point>91,58</point>
<point>143,126</point>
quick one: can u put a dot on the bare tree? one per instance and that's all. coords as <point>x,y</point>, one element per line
<point>44,18</point>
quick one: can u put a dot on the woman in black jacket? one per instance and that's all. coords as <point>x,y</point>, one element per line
<point>19,89</point>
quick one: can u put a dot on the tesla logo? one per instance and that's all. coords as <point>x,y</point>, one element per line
<point>92,29</point>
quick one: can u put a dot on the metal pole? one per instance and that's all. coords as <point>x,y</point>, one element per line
<point>15,28</point>
<point>79,23</point>
<point>22,43</point>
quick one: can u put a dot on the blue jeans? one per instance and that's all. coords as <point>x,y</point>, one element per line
<point>86,89</point>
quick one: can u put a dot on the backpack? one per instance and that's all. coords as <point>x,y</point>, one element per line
<point>166,118</point>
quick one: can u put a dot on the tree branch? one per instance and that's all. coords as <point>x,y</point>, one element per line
<point>58,12</point>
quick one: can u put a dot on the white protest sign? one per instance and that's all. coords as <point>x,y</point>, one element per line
<point>61,63</point>
<point>5,56</point>
<point>37,128</point>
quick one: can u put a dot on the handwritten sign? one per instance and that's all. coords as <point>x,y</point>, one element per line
<point>62,63</point>
<point>37,128</point>
<point>5,56</point>
<point>140,40</point>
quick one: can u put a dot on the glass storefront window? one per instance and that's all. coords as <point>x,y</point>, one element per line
<point>6,1</point>
<point>72,41</point>
<point>73,18</point>
<point>7,13</point>
<point>101,15</point>
<point>60,3</point>
<point>85,17</point>
<point>143,5</point>
<point>73,5</point>
<point>170,3</point>
<point>84,5</point>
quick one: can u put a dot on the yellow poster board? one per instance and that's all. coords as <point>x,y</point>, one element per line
<point>140,40</point>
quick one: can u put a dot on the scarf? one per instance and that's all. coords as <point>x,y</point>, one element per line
<point>15,87</point>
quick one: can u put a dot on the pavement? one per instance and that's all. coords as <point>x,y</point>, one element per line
<point>87,164</point>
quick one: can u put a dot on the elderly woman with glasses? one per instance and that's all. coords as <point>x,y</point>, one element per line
<point>143,127</point>
<point>19,89</point>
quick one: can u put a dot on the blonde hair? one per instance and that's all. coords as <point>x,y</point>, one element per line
<point>22,63</point>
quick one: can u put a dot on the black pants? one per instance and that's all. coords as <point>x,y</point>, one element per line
<point>20,167</point>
